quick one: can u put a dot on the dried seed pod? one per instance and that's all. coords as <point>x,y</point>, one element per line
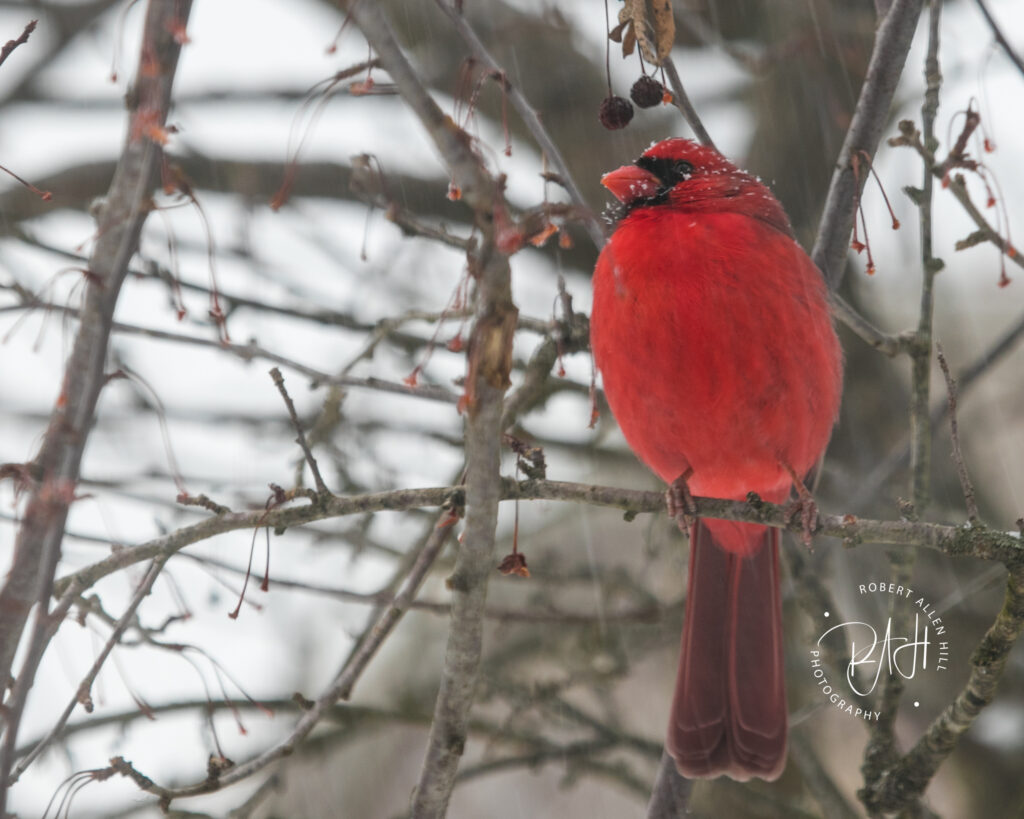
<point>647,92</point>
<point>615,113</point>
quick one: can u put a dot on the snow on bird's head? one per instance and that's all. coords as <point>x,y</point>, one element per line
<point>703,158</point>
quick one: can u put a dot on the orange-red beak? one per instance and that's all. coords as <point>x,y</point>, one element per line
<point>630,183</point>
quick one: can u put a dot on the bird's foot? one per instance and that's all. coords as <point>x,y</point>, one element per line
<point>805,506</point>
<point>681,507</point>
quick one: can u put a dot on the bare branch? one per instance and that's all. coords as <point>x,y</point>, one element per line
<point>958,455</point>
<point>921,347</point>
<point>843,311</point>
<point>958,187</point>
<point>978,542</point>
<point>252,350</point>
<point>340,687</point>
<point>908,778</point>
<point>881,749</point>
<point>490,361</point>
<point>37,548</point>
<point>10,45</point>
<point>529,117</point>
<point>892,42</point>
<point>321,487</point>
<point>61,22</point>
<point>385,328</point>
<point>900,454</point>
<point>1000,37</point>
<point>82,695</point>
<point>682,101</point>
<point>501,614</point>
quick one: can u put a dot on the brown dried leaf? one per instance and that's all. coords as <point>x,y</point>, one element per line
<point>654,27</point>
<point>628,41</point>
<point>637,10</point>
<point>664,27</point>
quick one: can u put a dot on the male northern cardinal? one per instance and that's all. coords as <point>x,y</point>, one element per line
<point>711,329</point>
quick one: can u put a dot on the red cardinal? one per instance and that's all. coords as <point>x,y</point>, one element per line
<point>711,329</point>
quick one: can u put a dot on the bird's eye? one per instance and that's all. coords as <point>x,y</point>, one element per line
<point>682,168</point>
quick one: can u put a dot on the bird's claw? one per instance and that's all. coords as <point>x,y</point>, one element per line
<point>681,507</point>
<point>805,506</point>
<point>807,509</point>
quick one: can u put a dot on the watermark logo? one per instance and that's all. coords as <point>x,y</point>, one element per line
<point>909,645</point>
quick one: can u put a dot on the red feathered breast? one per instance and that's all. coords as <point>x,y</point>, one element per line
<point>713,336</point>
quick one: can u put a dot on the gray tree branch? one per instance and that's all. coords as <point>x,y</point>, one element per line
<point>958,541</point>
<point>892,42</point>
<point>490,362</point>
<point>37,548</point>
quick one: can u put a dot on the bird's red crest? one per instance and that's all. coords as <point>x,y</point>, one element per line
<point>704,158</point>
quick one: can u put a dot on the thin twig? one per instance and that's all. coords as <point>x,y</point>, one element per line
<point>583,754</point>
<point>321,315</point>
<point>321,487</point>
<point>843,311</point>
<point>958,456</point>
<point>368,183</point>
<point>958,187</point>
<point>1000,37</point>
<point>82,695</point>
<point>10,45</point>
<point>530,119</point>
<point>340,688</point>
<point>63,22</point>
<point>900,454</point>
<point>252,350</point>
<point>502,614</point>
<point>682,102</point>
<point>352,721</point>
<point>353,667</point>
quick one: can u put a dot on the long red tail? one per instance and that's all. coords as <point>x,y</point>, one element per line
<point>729,709</point>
